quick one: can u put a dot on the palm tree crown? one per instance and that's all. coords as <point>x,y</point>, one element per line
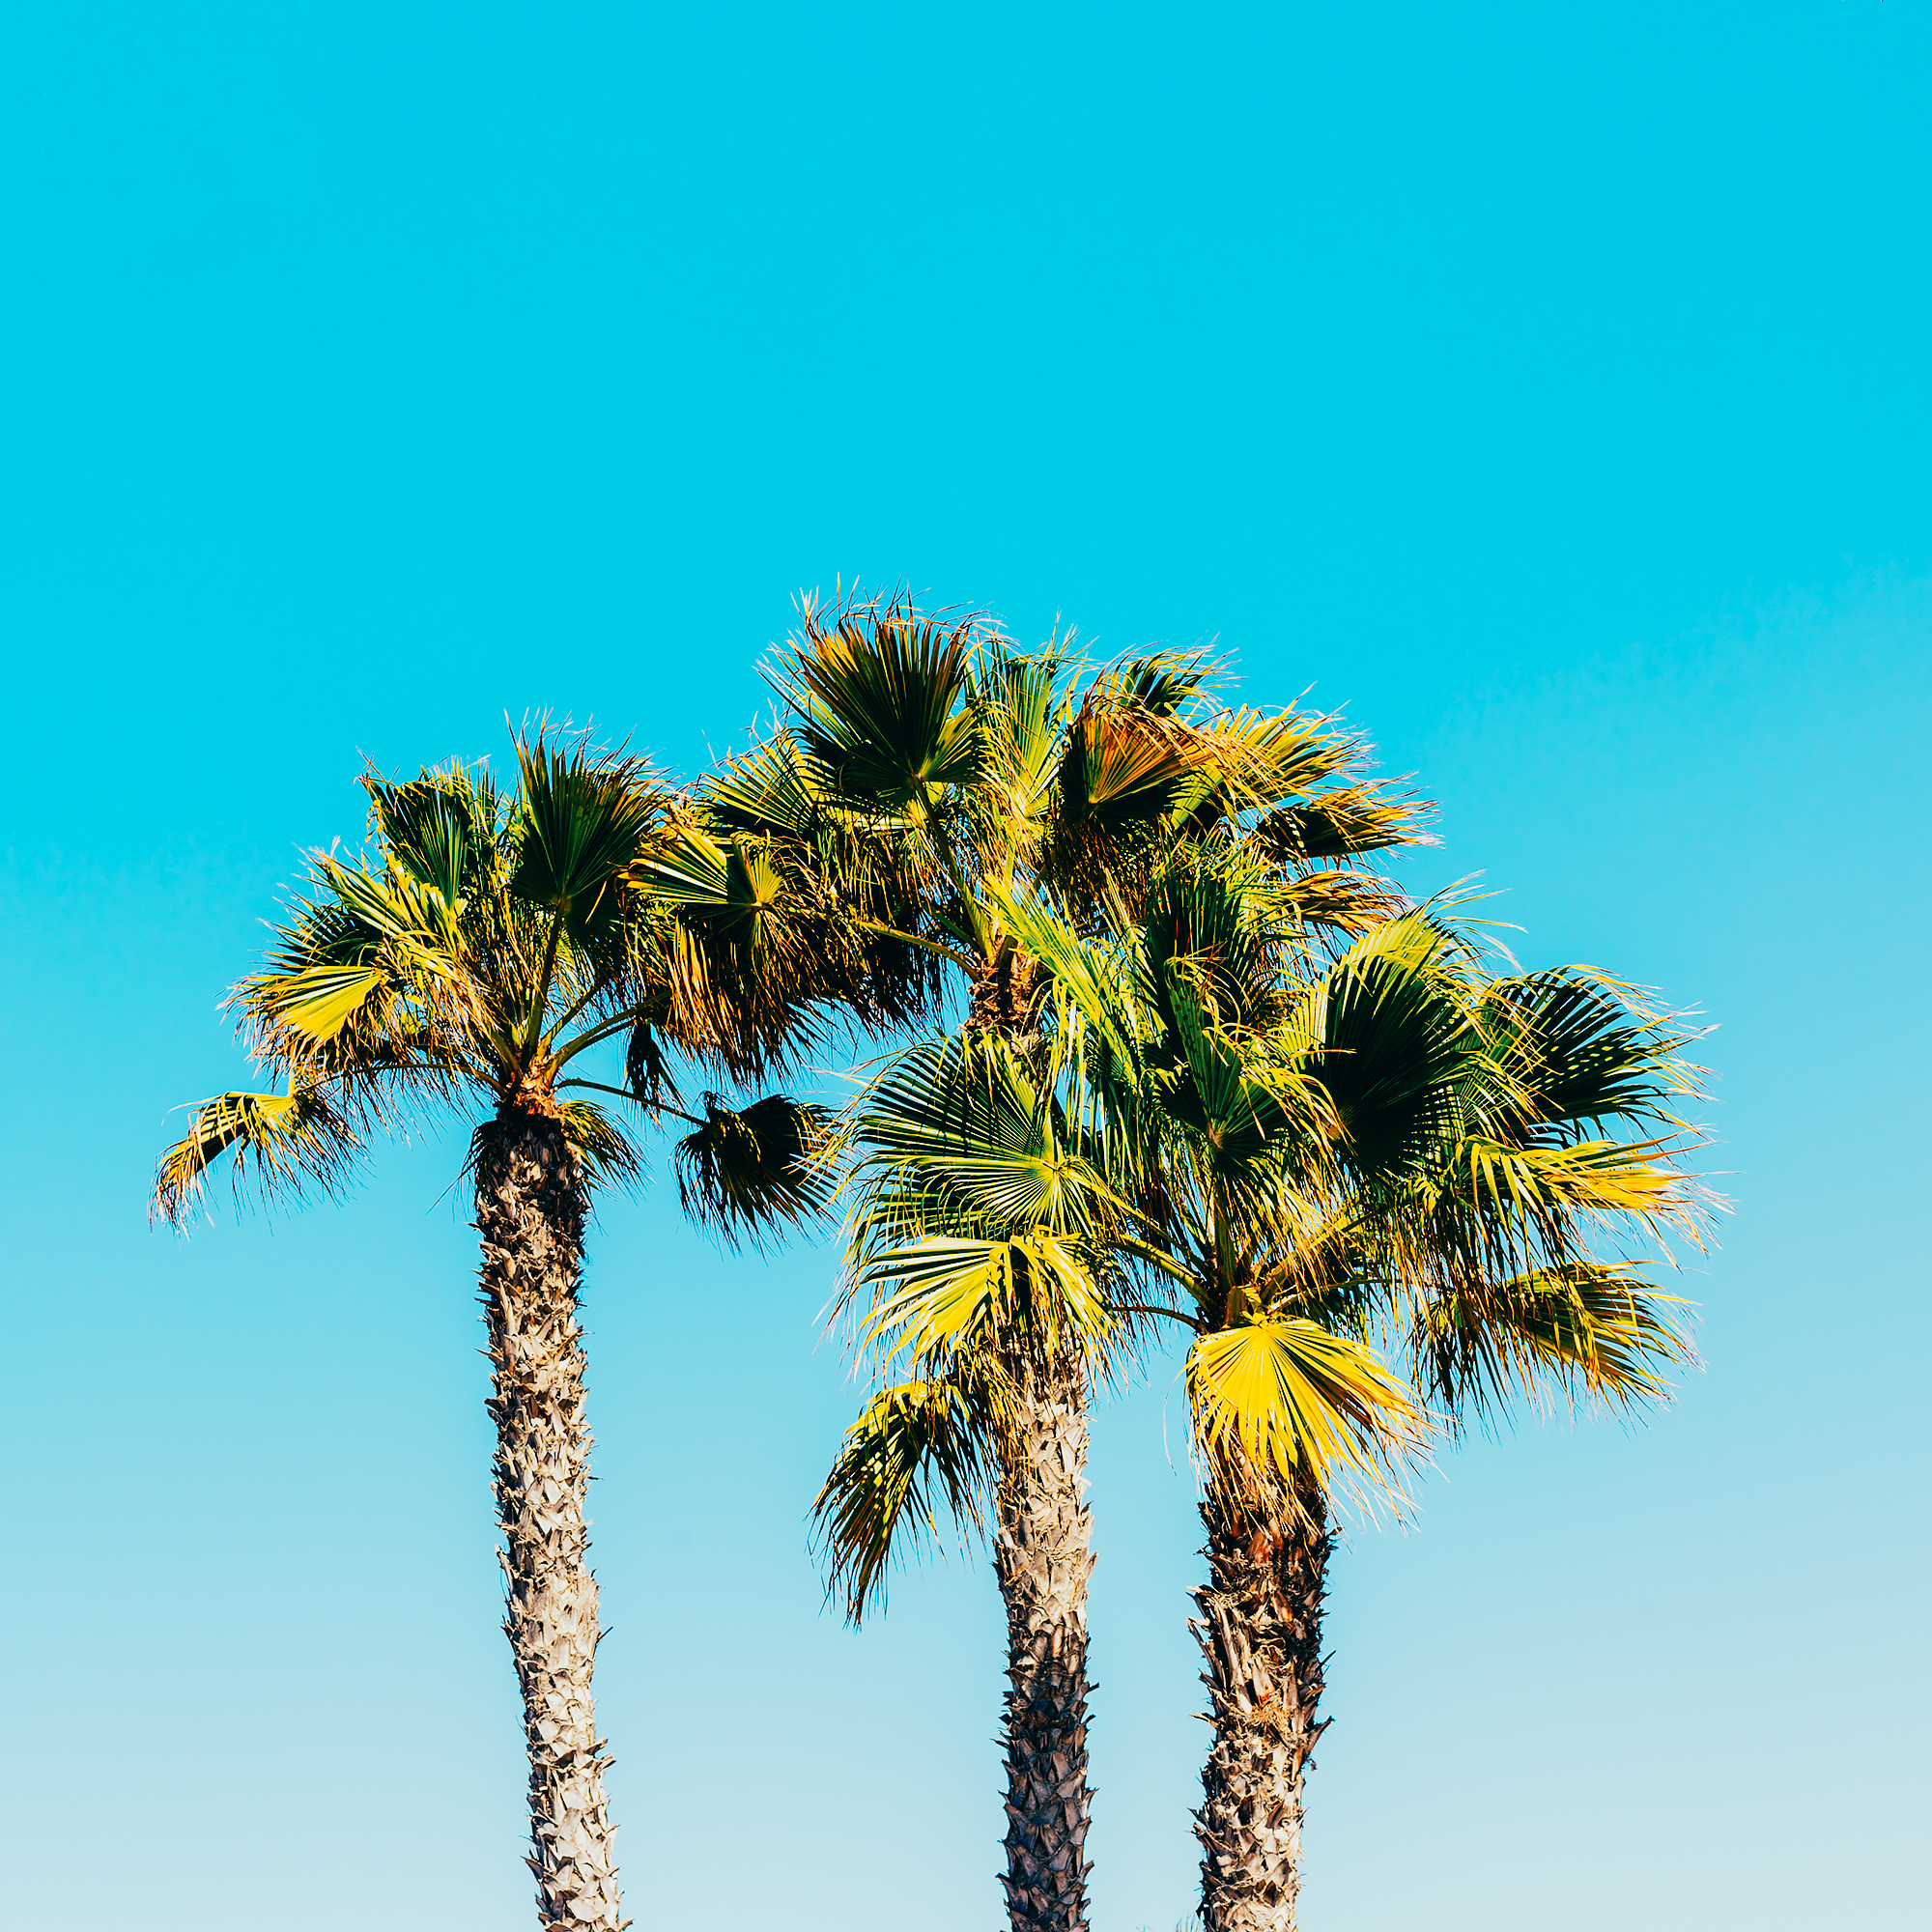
<point>490,940</point>
<point>1312,1150</point>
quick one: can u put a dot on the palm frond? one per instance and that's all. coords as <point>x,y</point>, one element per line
<point>916,1447</point>
<point>1338,824</point>
<point>750,1172</point>
<point>586,821</point>
<point>286,1142</point>
<point>940,1296</point>
<point>604,1152</point>
<point>967,1127</point>
<point>1585,1049</point>
<point>1281,1400</point>
<point>876,693</point>
<point>1579,1324</point>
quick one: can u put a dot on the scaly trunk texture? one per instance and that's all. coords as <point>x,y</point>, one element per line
<point>1006,998</point>
<point>1043,1564</point>
<point>529,1212</point>
<point>1260,1630</point>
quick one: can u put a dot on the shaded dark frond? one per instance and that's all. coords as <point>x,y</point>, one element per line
<point>1205,915</point>
<point>586,821</point>
<point>1392,1018</point>
<point>766,954</point>
<point>748,1172</point>
<point>1583,1325</point>
<point>876,691</point>
<point>1584,1051</point>
<point>1161,683</point>
<point>917,1447</point>
<point>647,1069</point>
<point>286,1142</point>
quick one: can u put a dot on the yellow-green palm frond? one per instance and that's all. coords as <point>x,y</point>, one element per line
<point>445,832</point>
<point>1245,761</point>
<point>1020,703</point>
<point>941,1297</point>
<point>1122,765</point>
<point>751,1172</point>
<point>1340,823</point>
<point>1581,1324</point>
<point>766,791</point>
<point>1547,1192</point>
<point>1281,1400</point>
<point>917,1447</point>
<point>752,1012</point>
<point>1348,902</point>
<point>285,1142</point>
<point>1093,978</point>
<point>1161,683</point>
<point>766,948</point>
<point>967,1126</point>
<point>605,1152</point>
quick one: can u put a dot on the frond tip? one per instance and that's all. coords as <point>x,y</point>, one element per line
<point>287,1141</point>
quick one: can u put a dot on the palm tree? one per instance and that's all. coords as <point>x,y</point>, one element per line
<point>1326,1152</point>
<point>978,1252</point>
<point>489,942</point>
<point>925,773</point>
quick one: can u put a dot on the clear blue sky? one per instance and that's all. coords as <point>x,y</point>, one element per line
<point>1548,384</point>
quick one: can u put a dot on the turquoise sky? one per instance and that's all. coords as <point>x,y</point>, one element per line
<point>1551,384</point>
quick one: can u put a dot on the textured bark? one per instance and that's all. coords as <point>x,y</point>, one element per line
<point>1260,1630</point>
<point>529,1212</point>
<point>1007,995</point>
<point>1043,1562</point>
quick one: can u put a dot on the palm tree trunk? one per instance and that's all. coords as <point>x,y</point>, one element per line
<point>529,1212</point>
<point>1260,1630</point>
<point>1043,1563</point>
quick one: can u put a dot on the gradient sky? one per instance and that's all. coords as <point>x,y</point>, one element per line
<point>1549,384</point>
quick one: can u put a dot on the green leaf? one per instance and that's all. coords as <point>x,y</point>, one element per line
<point>285,1140</point>
<point>955,1293</point>
<point>317,1003</point>
<point>1588,1324</point>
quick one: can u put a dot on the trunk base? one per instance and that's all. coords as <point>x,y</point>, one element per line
<point>1043,1562</point>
